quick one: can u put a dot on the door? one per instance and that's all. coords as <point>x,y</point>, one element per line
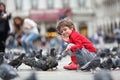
<point>83,29</point>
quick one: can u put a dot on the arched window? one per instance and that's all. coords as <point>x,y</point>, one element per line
<point>18,4</point>
<point>65,3</point>
<point>34,4</point>
<point>81,3</point>
<point>50,3</point>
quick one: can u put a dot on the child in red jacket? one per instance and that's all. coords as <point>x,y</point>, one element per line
<point>69,35</point>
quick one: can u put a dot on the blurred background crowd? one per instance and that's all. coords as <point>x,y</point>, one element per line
<point>98,20</point>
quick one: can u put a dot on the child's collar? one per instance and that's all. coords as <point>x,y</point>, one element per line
<point>71,33</point>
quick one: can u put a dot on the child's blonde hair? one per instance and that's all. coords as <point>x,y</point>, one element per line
<point>64,22</point>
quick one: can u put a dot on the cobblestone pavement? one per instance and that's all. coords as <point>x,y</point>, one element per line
<point>62,74</point>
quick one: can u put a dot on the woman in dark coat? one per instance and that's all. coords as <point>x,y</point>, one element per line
<point>4,26</point>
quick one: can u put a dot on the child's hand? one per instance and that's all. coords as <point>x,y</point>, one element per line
<point>68,48</point>
<point>65,38</point>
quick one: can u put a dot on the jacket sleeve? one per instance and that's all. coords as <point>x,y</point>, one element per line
<point>9,17</point>
<point>1,20</point>
<point>77,41</point>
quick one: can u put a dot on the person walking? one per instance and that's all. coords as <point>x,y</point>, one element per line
<point>30,33</point>
<point>4,26</point>
<point>14,38</point>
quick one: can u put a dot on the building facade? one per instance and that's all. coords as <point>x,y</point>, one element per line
<point>107,16</point>
<point>88,15</point>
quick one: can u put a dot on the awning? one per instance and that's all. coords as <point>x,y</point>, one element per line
<point>46,14</point>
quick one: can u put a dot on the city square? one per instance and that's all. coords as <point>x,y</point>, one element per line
<point>38,38</point>
<point>60,73</point>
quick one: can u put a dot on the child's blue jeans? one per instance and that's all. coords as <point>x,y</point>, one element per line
<point>86,54</point>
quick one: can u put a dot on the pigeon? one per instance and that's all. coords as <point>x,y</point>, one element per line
<point>9,55</point>
<point>2,54</point>
<point>7,72</point>
<point>1,58</point>
<point>91,65</point>
<point>17,61</point>
<point>29,61</point>
<point>114,48</point>
<point>39,54</point>
<point>117,63</point>
<point>103,75</point>
<point>102,54</point>
<point>31,53</point>
<point>38,64</point>
<point>107,64</point>
<point>51,60</point>
<point>118,53</point>
<point>44,65</point>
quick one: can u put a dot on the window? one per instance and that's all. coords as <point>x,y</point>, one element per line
<point>81,3</point>
<point>42,4</point>
<point>58,4</point>
<point>50,3</point>
<point>65,3</point>
<point>18,4</point>
<point>34,4</point>
<point>73,3</point>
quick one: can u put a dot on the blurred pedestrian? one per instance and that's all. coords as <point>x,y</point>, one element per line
<point>67,14</point>
<point>31,33</point>
<point>52,38</point>
<point>100,33</point>
<point>14,38</point>
<point>75,40</point>
<point>18,24</point>
<point>117,36</point>
<point>4,26</point>
<point>94,38</point>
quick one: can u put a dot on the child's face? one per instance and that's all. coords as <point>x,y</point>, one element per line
<point>66,31</point>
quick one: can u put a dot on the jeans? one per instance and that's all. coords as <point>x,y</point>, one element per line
<point>87,55</point>
<point>27,41</point>
<point>11,41</point>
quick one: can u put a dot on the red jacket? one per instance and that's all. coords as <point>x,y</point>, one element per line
<point>80,41</point>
